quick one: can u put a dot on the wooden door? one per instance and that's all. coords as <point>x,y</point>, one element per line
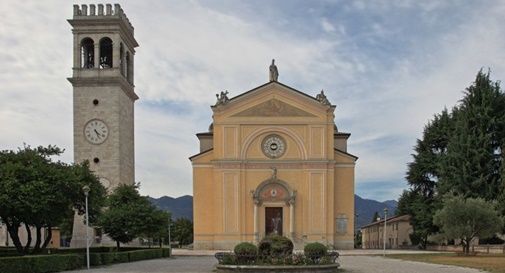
<point>273,220</point>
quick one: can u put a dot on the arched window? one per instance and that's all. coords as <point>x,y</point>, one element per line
<point>127,66</point>
<point>105,53</point>
<point>87,53</point>
<point>121,59</point>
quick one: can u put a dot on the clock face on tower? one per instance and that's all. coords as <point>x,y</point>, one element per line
<point>273,146</point>
<point>96,131</point>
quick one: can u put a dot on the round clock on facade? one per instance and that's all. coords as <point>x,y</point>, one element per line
<point>96,131</point>
<point>273,146</point>
<point>105,182</point>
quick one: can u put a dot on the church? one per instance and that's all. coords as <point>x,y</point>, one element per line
<point>273,162</point>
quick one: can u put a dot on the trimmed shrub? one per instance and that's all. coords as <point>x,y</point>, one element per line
<point>279,245</point>
<point>245,252</point>
<point>264,248</point>
<point>121,257</point>
<point>245,248</point>
<point>94,259</point>
<point>138,255</point>
<point>108,257</point>
<point>41,263</point>
<point>166,252</point>
<point>315,250</point>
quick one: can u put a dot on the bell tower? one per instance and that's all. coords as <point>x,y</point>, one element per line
<point>103,96</point>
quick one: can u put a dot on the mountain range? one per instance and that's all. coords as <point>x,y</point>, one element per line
<point>182,207</point>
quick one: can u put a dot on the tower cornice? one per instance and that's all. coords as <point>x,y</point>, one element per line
<point>127,88</point>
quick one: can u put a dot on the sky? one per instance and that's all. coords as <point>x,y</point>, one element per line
<point>388,66</point>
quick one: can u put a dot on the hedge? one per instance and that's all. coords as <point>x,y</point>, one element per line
<point>41,264</point>
<point>138,255</point>
<point>62,262</point>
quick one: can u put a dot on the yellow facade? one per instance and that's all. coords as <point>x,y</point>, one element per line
<point>273,147</point>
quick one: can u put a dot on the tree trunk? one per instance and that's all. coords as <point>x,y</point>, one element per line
<point>48,238</point>
<point>117,246</point>
<point>28,239</point>
<point>38,239</point>
<point>13,232</point>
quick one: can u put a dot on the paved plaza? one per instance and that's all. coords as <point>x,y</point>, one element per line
<point>351,261</point>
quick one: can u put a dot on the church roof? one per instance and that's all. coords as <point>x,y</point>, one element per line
<point>201,153</point>
<point>346,153</point>
<point>273,83</point>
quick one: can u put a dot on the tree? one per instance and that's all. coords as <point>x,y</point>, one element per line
<point>466,219</point>
<point>461,152</point>
<point>183,231</point>
<point>130,215</point>
<point>156,225</point>
<point>474,151</point>
<point>421,210</point>
<point>37,192</point>
<point>375,217</point>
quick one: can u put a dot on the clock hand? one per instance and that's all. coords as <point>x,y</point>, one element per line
<point>97,133</point>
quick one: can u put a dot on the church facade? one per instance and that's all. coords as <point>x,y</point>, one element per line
<point>273,161</point>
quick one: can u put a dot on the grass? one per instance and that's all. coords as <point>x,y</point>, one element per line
<point>489,262</point>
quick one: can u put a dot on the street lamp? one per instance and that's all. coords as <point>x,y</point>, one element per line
<point>169,235</point>
<point>86,190</point>
<point>385,229</point>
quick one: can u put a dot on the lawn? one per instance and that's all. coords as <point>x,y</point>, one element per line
<point>490,262</point>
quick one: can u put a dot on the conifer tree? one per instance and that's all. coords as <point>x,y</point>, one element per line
<point>472,165</point>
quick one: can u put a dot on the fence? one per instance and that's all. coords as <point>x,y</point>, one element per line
<point>488,249</point>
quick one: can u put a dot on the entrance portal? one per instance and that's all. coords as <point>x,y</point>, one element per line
<point>273,220</point>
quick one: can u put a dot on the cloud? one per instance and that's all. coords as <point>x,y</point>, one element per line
<point>387,65</point>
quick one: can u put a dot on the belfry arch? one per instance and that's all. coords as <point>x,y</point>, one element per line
<point>271,195</point>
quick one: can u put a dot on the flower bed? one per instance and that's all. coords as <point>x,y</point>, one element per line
<point>275,254</point>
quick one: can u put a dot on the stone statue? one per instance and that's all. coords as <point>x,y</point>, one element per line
<point>274,73</point>
<point>276,221</point>
<point>222,98</point>
<point>274,173</point>
<point>321,97</point>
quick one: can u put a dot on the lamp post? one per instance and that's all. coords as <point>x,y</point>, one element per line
<point>356,230</point>
<point>385,229</point>
<point>86,190</point>
<point>169,237</point>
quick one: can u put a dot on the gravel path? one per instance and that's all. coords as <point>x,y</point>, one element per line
<point>353,264</point>
<point>376,264</point>
<point>184,264</point>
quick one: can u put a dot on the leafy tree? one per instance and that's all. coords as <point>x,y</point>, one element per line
<point>156,225</point>
<point>129,215</point>
<point>466,219</point>
<point>421,210</point>
<point>37,192</point>
<point>183,231</point>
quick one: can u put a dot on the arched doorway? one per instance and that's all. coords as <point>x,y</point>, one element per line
<point>274,202</point>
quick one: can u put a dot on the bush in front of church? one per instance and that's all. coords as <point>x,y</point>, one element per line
<point>246,252</point>
<point>315,250</point>
<point>276,246</point>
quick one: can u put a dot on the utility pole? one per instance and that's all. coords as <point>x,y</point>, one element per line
<point>385,229</point>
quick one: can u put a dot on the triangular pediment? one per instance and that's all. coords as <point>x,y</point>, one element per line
<point>273,108</point>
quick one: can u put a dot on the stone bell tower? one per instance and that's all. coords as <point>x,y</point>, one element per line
<point>103,97</point>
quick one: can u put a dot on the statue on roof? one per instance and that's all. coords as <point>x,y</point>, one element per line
<point>274,73</point>
<point>222,98</point>
<point>321,97</point>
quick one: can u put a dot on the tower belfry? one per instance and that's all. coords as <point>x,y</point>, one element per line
<point>103,96</point>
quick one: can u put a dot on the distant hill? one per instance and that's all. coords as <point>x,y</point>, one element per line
<point>366,208</point>
<point>182,207</point>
